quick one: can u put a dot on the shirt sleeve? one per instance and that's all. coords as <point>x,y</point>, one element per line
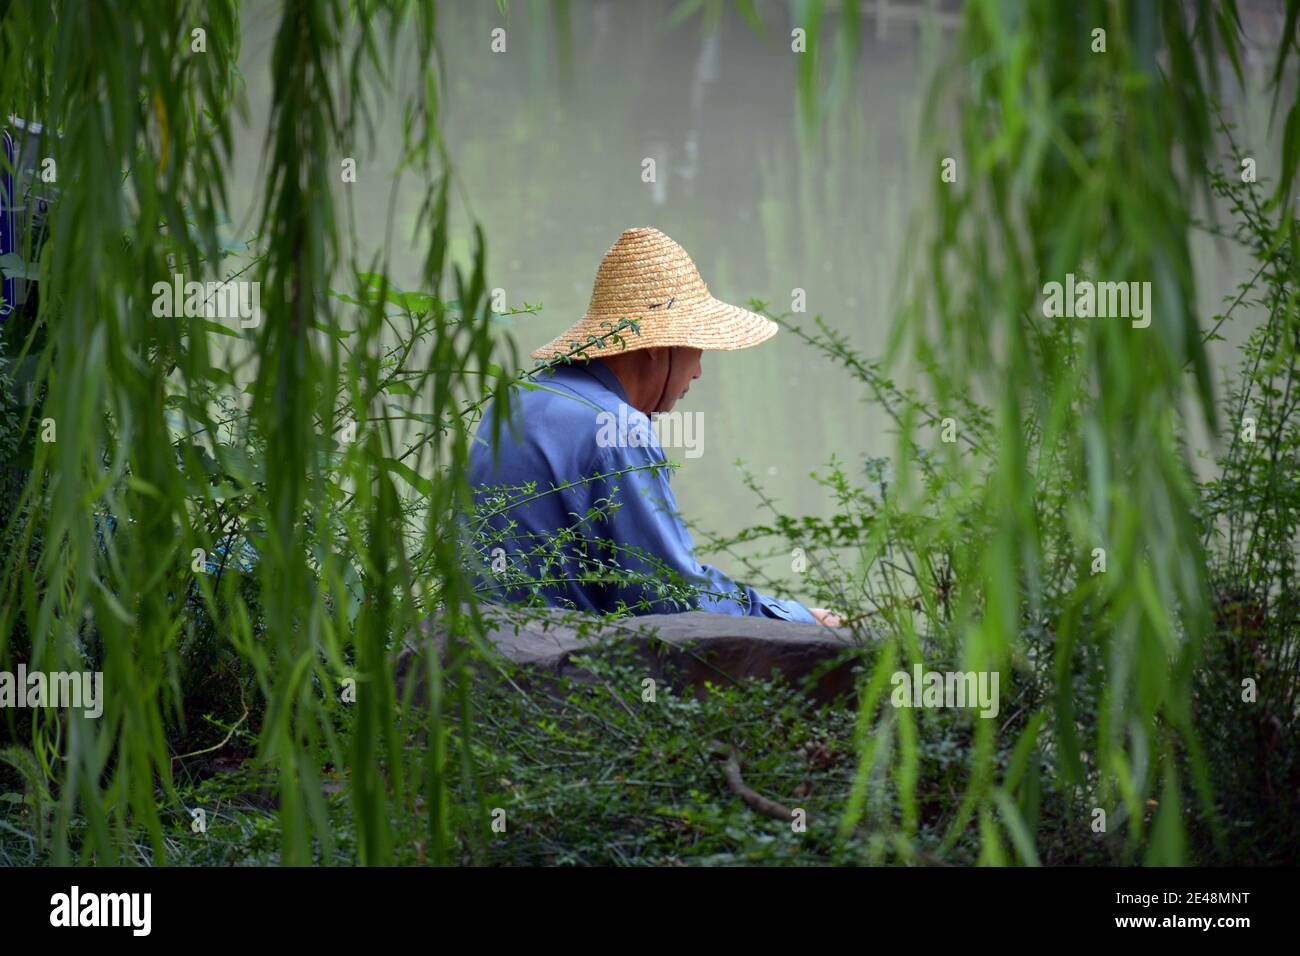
<point>646,519</point>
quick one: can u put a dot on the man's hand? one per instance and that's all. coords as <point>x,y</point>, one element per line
<point>826,618</point>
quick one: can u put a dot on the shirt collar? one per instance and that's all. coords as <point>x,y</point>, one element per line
<point>603,374</point>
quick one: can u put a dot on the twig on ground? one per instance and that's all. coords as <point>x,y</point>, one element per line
<point>754,800</point>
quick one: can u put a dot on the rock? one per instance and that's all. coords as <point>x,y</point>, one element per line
<point>694,647</point>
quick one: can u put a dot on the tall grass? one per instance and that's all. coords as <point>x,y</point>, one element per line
<point>1070,435</point>
<point>98,557</point>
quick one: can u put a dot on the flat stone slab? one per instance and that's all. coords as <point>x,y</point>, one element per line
<point>695,646</point>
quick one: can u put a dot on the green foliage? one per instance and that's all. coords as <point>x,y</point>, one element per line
<point>1069,436</point>
<point>160,450</point>
<point>1075,161</point>
<point>1250,512</point>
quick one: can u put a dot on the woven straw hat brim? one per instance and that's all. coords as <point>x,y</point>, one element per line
<point>719,327</point>
<point>649,279</point>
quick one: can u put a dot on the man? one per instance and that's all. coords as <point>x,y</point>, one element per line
<point>580,513</point>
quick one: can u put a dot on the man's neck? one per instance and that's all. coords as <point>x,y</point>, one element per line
<point>629,370</point>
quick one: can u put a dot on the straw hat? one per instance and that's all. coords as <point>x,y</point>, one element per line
<point>649,279</point>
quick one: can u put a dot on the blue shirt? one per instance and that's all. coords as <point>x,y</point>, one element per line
<point>578,492</point>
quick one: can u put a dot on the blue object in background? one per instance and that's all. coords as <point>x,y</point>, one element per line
<point>8,232</point>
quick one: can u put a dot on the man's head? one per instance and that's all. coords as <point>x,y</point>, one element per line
<point>656,378</point>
